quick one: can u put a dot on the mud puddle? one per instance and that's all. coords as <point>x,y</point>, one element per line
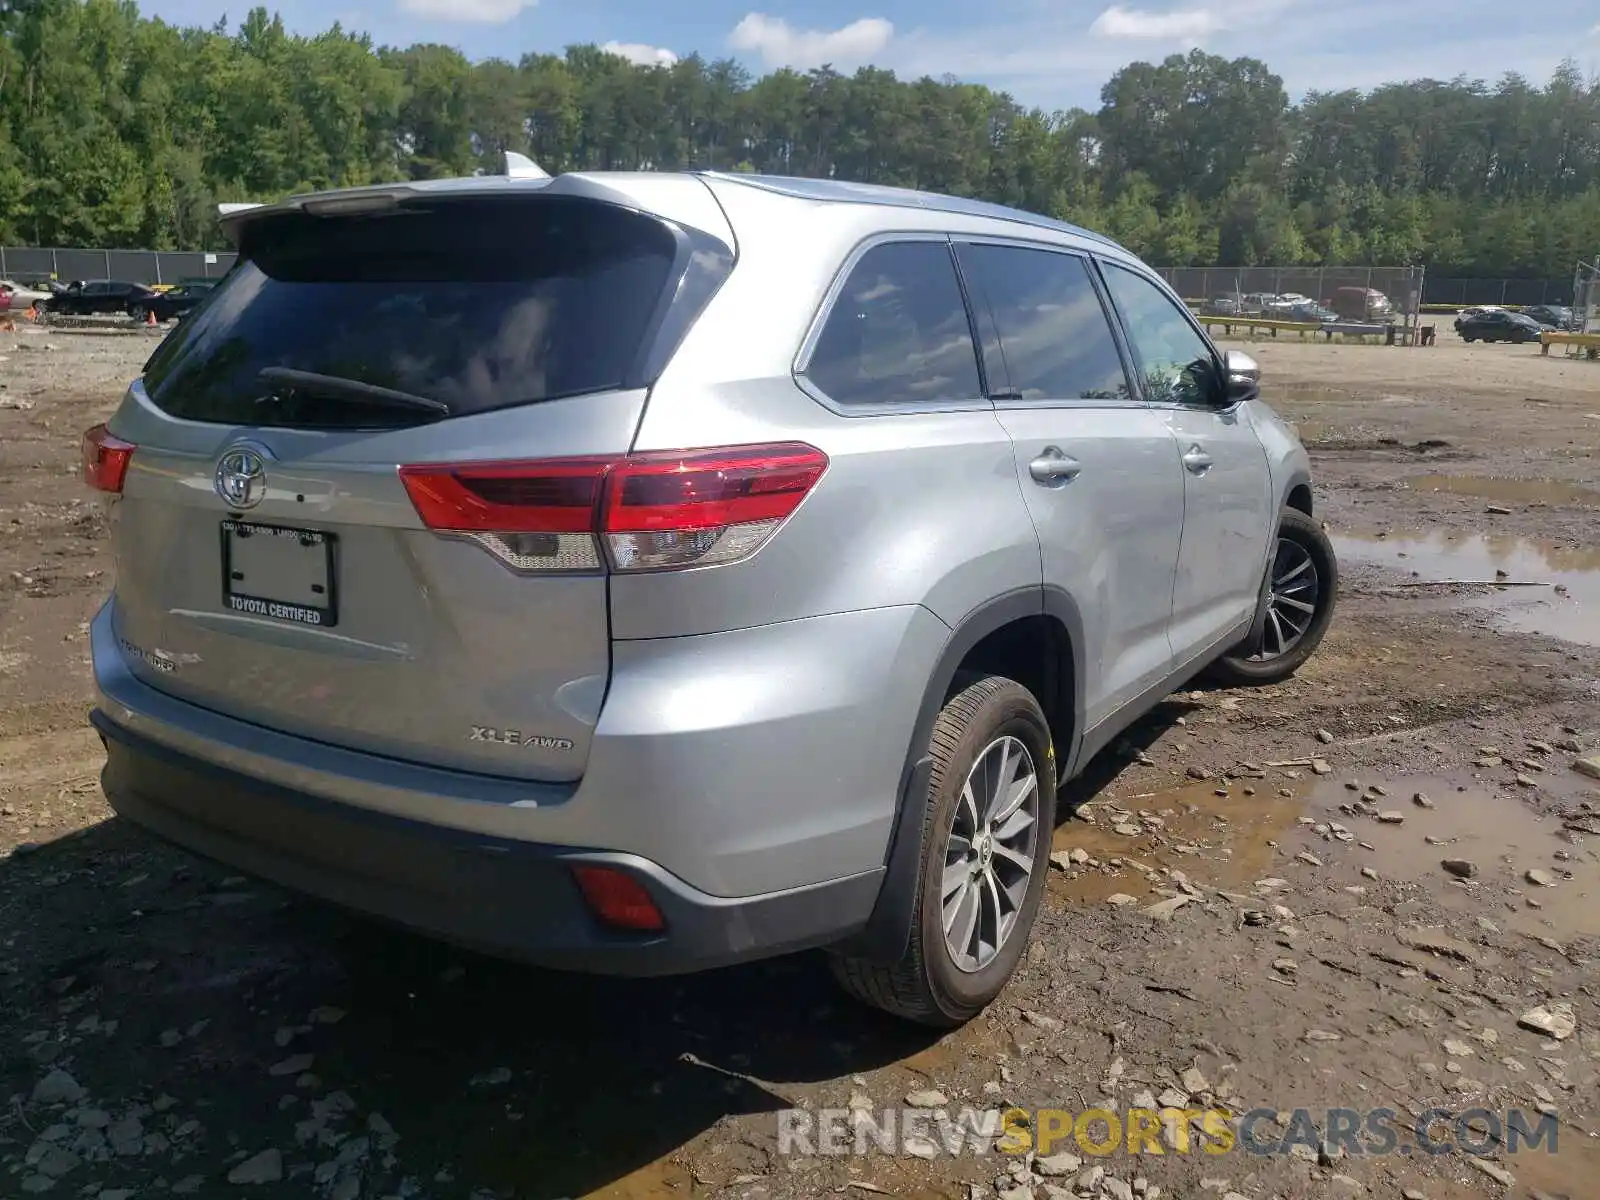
<point>1545,877</point>
<point>1228,841</point>
<point>1221,835</point>
<point>1565,605</point>
<point>1510,491</point>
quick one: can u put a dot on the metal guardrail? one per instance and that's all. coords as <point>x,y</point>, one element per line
<point>1254,323</point>
<point>1392,332</point>
<point>1588,343</point>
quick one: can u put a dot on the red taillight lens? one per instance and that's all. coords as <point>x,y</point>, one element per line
<point>105,459</point>
<point>656,510</point>
<point>618,899</point>
<point>540,497</point>
<point>709,490</point>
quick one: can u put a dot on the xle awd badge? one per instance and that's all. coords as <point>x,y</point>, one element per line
<point>514,737</point>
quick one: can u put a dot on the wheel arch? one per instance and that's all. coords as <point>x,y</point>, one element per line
<point>1036,632</point>
<point>1299,495</point>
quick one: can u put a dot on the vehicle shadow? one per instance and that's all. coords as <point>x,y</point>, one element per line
<point>1105,768</point>
<point>493,1075</point>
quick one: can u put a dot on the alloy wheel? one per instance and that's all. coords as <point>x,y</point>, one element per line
<point>1292,603</point>
<point>989,860</point>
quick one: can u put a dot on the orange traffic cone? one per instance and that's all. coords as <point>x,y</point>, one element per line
<point>150,317</point>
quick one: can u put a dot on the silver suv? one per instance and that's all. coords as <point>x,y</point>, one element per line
<point>637,573</point>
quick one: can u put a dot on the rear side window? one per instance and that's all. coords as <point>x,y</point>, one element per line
<point>898,332</point>
<point>1055,339</point>
<point>471,304</point>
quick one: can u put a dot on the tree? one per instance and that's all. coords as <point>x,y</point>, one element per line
<point>119,130</point>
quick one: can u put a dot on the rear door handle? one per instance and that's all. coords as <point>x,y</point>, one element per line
<point>1052,466</point>
<point>1197,460</point>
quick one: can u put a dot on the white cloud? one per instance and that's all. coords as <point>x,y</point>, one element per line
<point>488,12</point>
<point>1186,24</point>
<point>641,55</point>
<point>1042,56</point>
<point>782,45</point>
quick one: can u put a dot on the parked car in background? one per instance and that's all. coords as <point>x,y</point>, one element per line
<point>1310,310</point>
<point>176,301</point>
<point>1361,304</point>
<point>633,693</point>
<point>1498,325</point>
<point>1223,306</point>
<point>1257,304</point>
<point>1286,302</point>
<point>89,298</point>
<point>15,296</point>
<point>1552,316</point>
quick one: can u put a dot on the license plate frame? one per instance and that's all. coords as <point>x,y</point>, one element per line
<point>296,604</point>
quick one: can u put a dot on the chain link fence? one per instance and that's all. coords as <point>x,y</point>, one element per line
<point>31,265</point>
<point>1382,295</point>
<point>1199,284</point>
<point>1507,293</point>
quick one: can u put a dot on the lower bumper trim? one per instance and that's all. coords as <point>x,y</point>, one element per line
<point>505,897</point>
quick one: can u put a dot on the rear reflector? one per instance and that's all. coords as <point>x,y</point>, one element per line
<point>105,459</point>
<point>651,511</point>
<point>618,899</point>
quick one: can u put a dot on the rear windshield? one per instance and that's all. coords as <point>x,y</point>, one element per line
<point>472,304</point>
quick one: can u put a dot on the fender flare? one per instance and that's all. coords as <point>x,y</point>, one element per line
<point>884,937</point>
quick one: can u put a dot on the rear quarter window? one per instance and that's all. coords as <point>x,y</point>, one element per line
<point>898,332</point>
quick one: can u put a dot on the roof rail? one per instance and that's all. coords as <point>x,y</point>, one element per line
<point>520,166</point>
<point>845,192</point>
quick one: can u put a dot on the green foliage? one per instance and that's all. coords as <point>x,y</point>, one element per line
<point>117,130</point>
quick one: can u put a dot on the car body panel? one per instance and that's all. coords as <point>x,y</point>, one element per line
<point>418,655</point>
<point>741,762</point>
<point>1109,537</point>
<point>733,731</point>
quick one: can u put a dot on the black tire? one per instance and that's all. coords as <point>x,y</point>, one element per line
<point>1242,670</point>
<point>926,985</point>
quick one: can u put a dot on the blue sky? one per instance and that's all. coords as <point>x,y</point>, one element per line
<point>1054,53</point>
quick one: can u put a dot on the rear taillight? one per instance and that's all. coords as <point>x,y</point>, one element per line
<point>105,459</point>
<point>691,508</point>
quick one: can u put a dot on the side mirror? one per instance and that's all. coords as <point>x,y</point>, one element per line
<point>1241,378</point>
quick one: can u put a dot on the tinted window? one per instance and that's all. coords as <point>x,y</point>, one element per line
<point>1176,365</point>
<point>1054,336</point>
<point>898,332</point>
<point>476,304</point>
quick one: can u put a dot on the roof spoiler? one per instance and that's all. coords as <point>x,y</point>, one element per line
<point>520,166</point>
<point>227,210</point>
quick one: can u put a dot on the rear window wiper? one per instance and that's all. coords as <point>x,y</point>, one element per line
<point>351,389</point>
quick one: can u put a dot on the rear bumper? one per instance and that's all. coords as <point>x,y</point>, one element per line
<point>505,896</point>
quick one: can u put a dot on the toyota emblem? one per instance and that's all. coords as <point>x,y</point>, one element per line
<point>241,478</point>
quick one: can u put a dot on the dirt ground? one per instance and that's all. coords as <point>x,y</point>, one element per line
<point>164,1026</point>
